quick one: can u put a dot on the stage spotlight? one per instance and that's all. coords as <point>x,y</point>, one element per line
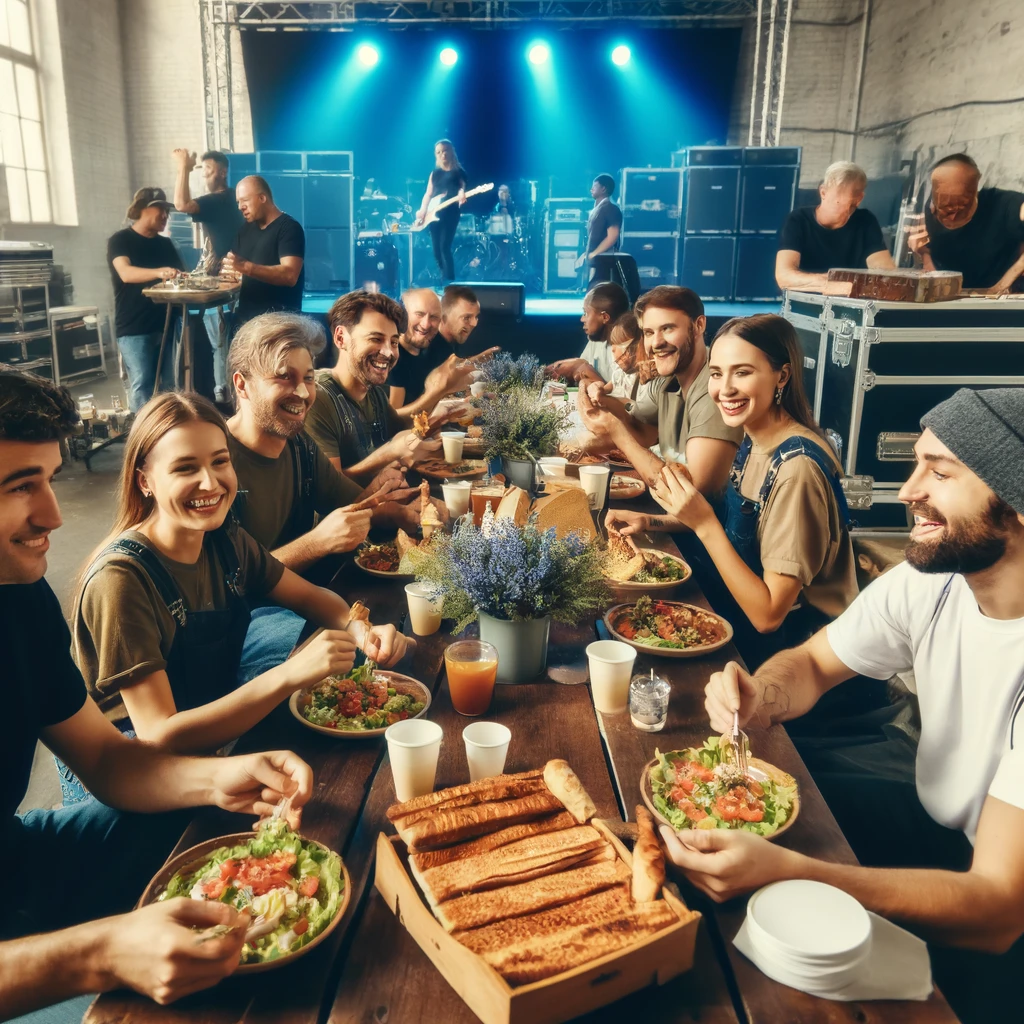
<point>368,55</point>
<point>621,55</point>
<point>539,53</point>
<point>449,56</point>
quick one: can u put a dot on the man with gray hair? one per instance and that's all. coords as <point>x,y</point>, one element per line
<point>835,233</point>
<point>938,828</point>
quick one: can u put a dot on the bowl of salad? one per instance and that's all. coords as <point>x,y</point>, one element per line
<point>382,560</point>
<point>671,629</point>
<point>658,571</point>
<point>296,889</point>
<point>361,704</point>
<point>697,788</point>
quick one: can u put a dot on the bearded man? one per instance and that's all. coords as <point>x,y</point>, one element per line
<point>940,826</point>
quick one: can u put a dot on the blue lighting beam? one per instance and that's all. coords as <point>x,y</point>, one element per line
<point>367,55</point>
<point>621,55</point>
<point>448,56</point>
<point>539,53</point>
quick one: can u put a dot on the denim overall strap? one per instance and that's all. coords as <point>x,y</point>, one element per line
<point>796,446</point>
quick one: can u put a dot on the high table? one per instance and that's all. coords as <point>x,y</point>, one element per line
<point>371,970</point>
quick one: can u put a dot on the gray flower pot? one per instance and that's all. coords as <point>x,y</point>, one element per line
<point>521,472</point>
<point>522,646</point>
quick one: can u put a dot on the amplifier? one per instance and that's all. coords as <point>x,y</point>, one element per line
<point>328,262</point>
<point>712,200</point>
<point>375,263</point>
<point>780,156</point>
<point>271,161</point>
<point>565,237</point>
<point>562,211</point>
<point>287,189</point>
<point>77,345</point>
<point>714,156</point>
<point>755,269</point>
<point>507,297</point>
<point>766,197</point>
<point>707,267</point>
<point>241,165</point>
<point>656,255</point>
<point>339,162</point>
<point>651,199</point>
<point>326,200</point>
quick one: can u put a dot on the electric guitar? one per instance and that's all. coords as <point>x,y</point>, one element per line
<point>437,203</point>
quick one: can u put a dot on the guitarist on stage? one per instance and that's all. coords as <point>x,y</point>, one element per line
<point>447,180</point>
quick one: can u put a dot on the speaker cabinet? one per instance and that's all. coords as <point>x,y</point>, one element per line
<point>767,196</point>
<point>708,267</point>
<point>755,269</point>
<point>712,199</point>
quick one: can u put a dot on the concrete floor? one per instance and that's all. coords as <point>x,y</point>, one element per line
<point>87,506</point>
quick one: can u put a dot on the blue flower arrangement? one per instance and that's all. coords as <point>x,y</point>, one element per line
<point>513,572</point>
<point>505,373</point>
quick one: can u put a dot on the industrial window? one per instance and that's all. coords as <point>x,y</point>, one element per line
<point>22,150</point>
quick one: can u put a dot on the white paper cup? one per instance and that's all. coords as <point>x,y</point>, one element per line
<point>552,465</point>
<point>424,608</point>
<point>413,746</point>
<point>456,497</point>
<point>595,482</point>
<point>486,749</point>
<point>452,442</point>
<point>611,668</point>
<point>478,388</point>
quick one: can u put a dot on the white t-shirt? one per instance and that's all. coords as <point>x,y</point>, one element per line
<point>969,672</point>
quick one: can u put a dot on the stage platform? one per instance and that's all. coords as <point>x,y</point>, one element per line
<point>551,327</point>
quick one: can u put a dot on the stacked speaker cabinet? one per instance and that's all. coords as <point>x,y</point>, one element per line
<point>565,239</point>
<point>652,202</point>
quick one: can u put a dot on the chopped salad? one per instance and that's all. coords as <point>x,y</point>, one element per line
<point>668,624</point>
<point>359,701</point>
<point>660,570</point>
<point>696,788</point>
<point>379,557</point>
<point>292,887</point>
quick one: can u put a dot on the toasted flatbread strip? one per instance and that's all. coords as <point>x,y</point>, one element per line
<point>623,560</point>
<point>648,859</point>
<point>516,862</point>
<point>565,784</point>
<point>483,908</point>
<point>454,825</point>
<point>500,787</point>
<point>421,424</point>
<point>404,543</point>
<point>435,858</point>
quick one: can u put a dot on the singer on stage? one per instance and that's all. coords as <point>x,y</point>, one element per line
<point>447,180</point>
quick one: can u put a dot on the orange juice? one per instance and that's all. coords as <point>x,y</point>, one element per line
<point>481,497</point>
<point>472,669</point>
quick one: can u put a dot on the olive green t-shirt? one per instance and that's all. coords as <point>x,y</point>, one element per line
<point>339,440</point>
<point>694,414</point>
<point>267,487</point>
<point>122,629</point>
<point>800,531</point>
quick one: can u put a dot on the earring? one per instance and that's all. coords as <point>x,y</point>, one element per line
<point>778,396</point>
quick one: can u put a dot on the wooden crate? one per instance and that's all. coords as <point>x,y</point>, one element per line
<point>654,960</point>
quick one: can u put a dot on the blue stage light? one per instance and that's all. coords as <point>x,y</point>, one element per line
<point>367,55</point>
<point>621,56</point>
<point>449,56</point>
<point>539,53</point>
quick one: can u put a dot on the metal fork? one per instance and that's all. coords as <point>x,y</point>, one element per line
<point>739,743</point>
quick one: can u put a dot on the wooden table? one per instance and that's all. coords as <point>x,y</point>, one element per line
<point>372,972</point>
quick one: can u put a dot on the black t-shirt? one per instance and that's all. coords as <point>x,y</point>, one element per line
<point>133,312</point>
<point>447,184</point>
<point>987,245</point>
<point>265,246</point>
<point>223,220</point>
<point>822,249</point>
<point>40,684</point>
<point>410,372</point>
<point>604,216</point>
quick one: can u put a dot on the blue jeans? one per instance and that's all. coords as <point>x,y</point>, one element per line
<point>218,330</point>
<point>140,353</point>
<point>273,632</point>
<point>72,789</point>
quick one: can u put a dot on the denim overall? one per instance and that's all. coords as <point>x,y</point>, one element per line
<point>207,646</point>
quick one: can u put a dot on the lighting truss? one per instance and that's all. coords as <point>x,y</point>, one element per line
<point>768,81</point>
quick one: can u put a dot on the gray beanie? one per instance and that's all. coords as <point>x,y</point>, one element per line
<point>985,431</point>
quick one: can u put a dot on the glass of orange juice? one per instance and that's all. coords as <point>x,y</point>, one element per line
<point>472,669</point>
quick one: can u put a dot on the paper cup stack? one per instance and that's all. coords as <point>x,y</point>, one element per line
<point>808,935</point>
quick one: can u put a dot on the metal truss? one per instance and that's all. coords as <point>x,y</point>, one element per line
<point>768,82</point>
<point>341,14</point>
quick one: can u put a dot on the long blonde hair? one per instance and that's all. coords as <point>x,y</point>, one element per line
<point>159,415</point>
<point>449,146</point>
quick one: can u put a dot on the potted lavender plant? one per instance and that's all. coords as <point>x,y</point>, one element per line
<point>515,580</point>
<point>518,428</point>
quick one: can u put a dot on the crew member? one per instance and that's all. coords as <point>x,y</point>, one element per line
<point>139,257</point>
<point>221,220</point>
<point>447,181</point>
<point>835,233</point>
<point>977,231</point>
<point>268,254</point>
<point>937,825</point>
<point>604,226</point>
<point>506,209</point>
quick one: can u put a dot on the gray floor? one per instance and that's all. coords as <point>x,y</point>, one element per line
<point>87,507</point>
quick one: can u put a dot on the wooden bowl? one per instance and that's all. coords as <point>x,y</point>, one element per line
<point>192,859</point>
<point>757,769</point>
<point>403,684</point>
<point>612,615</point>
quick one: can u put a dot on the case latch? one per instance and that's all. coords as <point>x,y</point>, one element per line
<point>867,380</point>
<point>894,446</point>
<point>842,343</point>
<point>858,491</point>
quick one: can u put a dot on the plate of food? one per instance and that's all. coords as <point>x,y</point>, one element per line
<point>699,788</point>
<point>618,459</point>
<point>625,487</point>
<point>631,568</point>
<point>360,705</point>
<point>381,560</point>
<point>438,469</point>
<point>671,629</point>
<point>296,889</point>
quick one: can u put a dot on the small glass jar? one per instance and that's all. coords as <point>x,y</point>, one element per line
<point>648,702</point>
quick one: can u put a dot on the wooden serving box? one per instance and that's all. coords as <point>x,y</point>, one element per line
<point>654,960</point>
<point>895,285</point>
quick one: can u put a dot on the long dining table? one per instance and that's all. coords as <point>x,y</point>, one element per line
<point>371,971</point>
